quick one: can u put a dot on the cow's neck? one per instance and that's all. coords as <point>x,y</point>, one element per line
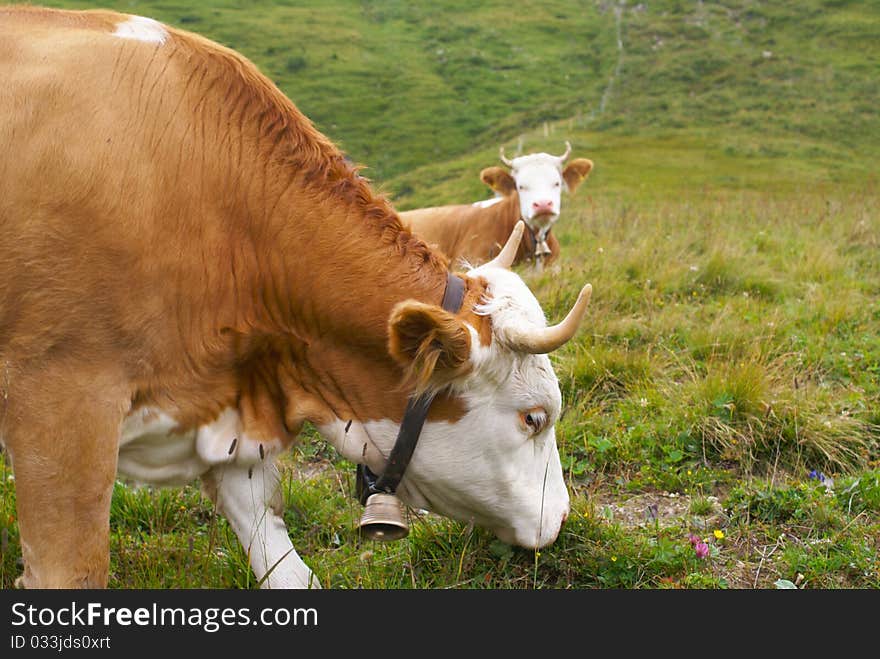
<point>333,265</point>
<point>307,248</point>
<point>310,260</point>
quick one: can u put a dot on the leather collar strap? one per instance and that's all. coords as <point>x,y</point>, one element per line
<point>454,295</point>
<point>413,420</point>
<point>533,242</point>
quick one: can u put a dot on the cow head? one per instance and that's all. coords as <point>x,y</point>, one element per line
<point>497,465</point>
<point>538,179</point>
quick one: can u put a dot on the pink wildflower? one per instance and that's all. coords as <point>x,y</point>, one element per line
<point>702,549</point>
<point>693,539</point>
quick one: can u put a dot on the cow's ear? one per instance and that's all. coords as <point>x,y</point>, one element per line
<point>575,172</point>
<point>498,179</point>
<point>432,344</point>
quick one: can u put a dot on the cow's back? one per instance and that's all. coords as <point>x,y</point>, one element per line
<point>97,209</point>
<point>465,232</point>
<point>80,114</point>
<point>451,228</point>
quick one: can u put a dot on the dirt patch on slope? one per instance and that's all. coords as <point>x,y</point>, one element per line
<point>661,508</point>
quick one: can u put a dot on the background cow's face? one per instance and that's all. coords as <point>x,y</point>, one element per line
<point>498,465</point>
<point>539,182</point>
<point>538,179</point>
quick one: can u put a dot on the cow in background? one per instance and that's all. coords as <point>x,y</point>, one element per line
<point>530,191</point>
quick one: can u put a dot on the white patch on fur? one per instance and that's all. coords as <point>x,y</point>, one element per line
<point>486,203</point>
<point>223,441</point>
<point>142,29</point>
<point>248,451</point>
<point>145,421</point>
<point>149,452</point>
<point>251,500</point>
<point>218,442</point>
<point>353,443</point>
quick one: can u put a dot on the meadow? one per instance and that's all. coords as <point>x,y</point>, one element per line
<point>724,392</point>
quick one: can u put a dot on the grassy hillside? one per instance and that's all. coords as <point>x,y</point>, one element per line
<point>399,84</point>
<point>766,95</point>
<point>789,87</point>
<point>731,230</point>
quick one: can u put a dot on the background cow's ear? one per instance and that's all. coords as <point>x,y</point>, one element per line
<point>431,343</point>
<point>498,179</point>
<point>575,172</point>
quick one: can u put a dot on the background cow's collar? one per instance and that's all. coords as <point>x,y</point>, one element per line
<point>413,420</point>
<point>538,247</point>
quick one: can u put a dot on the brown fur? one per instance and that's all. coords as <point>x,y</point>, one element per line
<point>175,233</point>
<point>477,293</point>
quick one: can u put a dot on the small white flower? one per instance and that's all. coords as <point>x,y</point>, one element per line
<point>693,268</point>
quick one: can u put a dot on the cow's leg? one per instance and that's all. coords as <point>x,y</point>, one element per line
<point>251,500</point>
<point>61,427</point>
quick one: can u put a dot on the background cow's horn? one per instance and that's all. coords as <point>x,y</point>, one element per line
<point>507,162</point>
<point>508,252</point>
<point>541,340</point>
<point>567,151</point>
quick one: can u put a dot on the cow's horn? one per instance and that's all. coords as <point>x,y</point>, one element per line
<point>567,151</point>
<point>541,340</point>
<point>508,252</point>
<point>507,162</point>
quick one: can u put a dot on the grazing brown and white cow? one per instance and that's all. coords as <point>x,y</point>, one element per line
<point>531,191</point>
<point>189,271</point>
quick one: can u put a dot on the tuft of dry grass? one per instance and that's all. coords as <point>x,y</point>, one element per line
<point>749,413</point>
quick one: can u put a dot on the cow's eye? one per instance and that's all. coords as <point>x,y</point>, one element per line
<point>522,188</point>
<point>556,185</point>
<point>533,420</point>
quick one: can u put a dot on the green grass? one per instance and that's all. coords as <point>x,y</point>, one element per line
<point>731,233</point>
